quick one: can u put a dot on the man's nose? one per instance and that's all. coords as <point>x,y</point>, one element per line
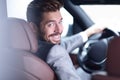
<point>58,28</point>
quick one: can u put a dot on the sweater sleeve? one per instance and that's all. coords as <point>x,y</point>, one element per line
<point>73,42</point>
<point>59,60</point>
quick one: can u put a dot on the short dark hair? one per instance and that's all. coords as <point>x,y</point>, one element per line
<point>36,8</point>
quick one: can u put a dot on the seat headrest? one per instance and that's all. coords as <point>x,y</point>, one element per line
<point>20,35</point>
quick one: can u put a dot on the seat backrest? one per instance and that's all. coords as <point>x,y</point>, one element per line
<point>19,35</point>
<point>20,38</point>
<point>113,57</point>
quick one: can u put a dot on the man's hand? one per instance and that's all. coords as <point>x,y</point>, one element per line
<point>96,28</point>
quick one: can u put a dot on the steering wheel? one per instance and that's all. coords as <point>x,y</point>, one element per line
<point>92,55</point>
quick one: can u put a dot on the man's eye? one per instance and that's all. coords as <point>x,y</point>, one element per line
<point>51,24</point>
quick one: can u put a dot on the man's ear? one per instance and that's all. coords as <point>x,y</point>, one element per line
<point>33,27</point>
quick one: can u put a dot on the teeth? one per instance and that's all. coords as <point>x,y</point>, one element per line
<point>57,37</point>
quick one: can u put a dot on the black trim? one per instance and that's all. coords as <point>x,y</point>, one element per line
<point>78,14</point>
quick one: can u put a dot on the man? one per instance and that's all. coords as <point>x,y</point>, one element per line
<point>45,18</point>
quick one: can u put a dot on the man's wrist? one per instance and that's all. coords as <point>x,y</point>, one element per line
<point>84,36</point>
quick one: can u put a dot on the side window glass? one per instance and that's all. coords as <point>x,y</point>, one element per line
<point>108,15</point>
<point>67,22</point>
<point>17,8</point>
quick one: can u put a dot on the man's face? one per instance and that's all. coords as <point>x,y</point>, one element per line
<point>52,26</point>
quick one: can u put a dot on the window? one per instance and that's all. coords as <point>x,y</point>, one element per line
<point>105,14</point>
<point>67,21</point>
<point>17,8</point>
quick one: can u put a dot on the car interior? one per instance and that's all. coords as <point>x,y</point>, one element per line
<point>18,44</point>
<point>112,64</point>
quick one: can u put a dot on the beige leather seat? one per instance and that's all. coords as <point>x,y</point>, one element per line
<point>19,43</point>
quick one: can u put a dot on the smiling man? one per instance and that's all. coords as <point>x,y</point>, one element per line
<point>52,27</point>
<point>45,18</point>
